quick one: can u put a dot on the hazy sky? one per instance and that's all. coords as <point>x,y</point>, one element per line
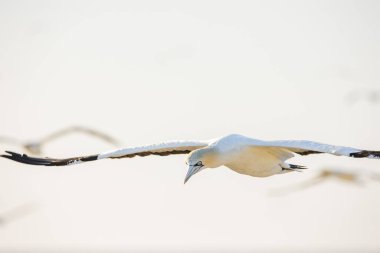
<point>149,71</point>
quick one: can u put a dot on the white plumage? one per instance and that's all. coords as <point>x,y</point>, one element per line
<point>240,153</point>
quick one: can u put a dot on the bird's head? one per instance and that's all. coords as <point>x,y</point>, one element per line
<point>201,159</point>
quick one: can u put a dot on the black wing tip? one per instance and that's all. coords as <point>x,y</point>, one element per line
<point>366,154</point>
<point>11,154</point>
<point>23,158</point>
<point>47,161</point>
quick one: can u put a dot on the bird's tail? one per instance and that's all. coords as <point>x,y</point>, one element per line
<point>292,167</point>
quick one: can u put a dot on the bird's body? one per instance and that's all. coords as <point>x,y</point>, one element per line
<point>237,153</point>
<point>258,162</point>
<point>240,153</point>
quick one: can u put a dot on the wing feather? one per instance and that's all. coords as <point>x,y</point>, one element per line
<point>303,147</point>
<point>162,149</point>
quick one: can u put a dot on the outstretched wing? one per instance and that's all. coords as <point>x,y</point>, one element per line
<point>162,149</point>
<point>309,147</point>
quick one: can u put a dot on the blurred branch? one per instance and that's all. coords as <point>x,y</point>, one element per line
<point>35,147</point>
<point>17,213</point>
<point>356,177</point>
<point>370,95</point>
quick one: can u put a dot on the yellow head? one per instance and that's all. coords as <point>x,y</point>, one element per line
<point>201,159</point>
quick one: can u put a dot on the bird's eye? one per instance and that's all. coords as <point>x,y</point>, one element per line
<point>198,163</point>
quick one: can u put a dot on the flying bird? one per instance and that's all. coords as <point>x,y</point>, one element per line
<point>242,154</point>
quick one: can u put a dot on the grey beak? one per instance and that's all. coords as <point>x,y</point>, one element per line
<point>192,171</point>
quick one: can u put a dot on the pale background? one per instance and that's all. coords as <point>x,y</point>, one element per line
<point>149,71</point>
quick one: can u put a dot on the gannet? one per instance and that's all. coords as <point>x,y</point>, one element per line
<point>241,154</point>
